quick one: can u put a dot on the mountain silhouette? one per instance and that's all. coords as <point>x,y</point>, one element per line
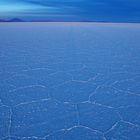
<point>1,20</point>
<point>12,20</point>
<point>15,20</point>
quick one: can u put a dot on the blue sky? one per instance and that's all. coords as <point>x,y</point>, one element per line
<point>91,10</point>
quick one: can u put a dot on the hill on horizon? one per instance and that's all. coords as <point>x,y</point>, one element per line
<point>12,20</point>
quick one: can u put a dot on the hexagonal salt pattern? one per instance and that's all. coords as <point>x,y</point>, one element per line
<point>69,81</point>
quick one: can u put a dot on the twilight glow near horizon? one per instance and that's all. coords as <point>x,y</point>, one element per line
<point>71,10</point>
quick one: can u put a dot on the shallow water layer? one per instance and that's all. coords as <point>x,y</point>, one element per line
<point>69,81</point>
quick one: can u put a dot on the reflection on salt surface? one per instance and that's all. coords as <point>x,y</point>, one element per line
<point>69,81</point>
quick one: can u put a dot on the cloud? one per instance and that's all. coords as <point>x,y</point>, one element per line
<point>91,9</point>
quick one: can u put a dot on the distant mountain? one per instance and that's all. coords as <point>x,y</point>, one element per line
<point>15,20</point>
<point>1,20</point>
<point>12,20</point>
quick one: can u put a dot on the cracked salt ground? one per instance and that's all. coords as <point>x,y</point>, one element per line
<point>70,81</point>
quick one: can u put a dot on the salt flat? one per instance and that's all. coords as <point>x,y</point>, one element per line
<point>69,81</point>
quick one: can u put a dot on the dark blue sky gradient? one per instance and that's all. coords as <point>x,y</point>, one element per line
<point>72,10</point>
